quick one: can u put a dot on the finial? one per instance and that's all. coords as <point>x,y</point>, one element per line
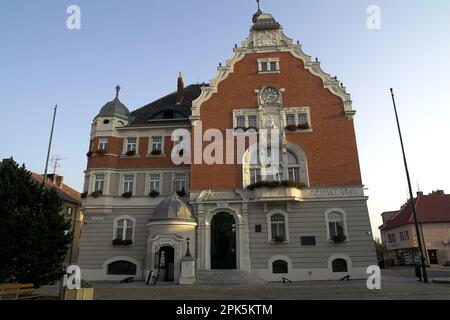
<point>117,91</point>
<point>180,75</point>
<point>257,1</point>
<point>220,64</point>
<point>317,59</point>
<point>235,45</point>
<point>188,252</point>
<point>298,42</point>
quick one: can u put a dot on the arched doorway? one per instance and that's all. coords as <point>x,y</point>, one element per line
<point>223,241</point>
<point>166,264</point>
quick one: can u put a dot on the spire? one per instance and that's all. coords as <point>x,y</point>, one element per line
<point>258,13</point>
<point>117,91</point>
<point>180,88</point>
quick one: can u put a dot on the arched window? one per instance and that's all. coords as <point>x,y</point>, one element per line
<point>336,225</point>
<point>274,165</point>
<point>339,265</point>
<point>123,229</point>
<point>122,267</point>
<point>278,227</point>
<point>279,266</point>
<point>293,167</point>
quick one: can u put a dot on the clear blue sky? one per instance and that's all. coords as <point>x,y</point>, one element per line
<point>144,44</point>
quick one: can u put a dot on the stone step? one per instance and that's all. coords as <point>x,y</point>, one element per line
<point>220,276</point>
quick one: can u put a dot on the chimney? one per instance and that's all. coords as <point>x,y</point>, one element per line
<point>59,181</point>
<point>180,89</point>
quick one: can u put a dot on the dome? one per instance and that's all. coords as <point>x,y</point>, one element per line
<point>264,21</point>
<point>115,108</point>
<point>172,208</point>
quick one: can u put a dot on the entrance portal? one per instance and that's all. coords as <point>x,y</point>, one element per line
<point>223,241</point>
<point>166,264</point>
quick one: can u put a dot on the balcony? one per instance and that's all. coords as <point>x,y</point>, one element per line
<point>275,191</point>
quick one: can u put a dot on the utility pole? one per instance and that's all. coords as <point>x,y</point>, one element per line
<point>49,147</point>
<point>418,232</point>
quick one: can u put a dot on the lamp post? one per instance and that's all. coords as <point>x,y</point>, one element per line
<point>418,233</point>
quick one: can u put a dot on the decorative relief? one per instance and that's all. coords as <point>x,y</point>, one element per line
<point>266,38</point>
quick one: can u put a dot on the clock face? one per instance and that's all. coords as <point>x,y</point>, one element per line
<point>270,95</point>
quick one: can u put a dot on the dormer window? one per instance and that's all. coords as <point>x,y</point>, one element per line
<point>268,65</point>
<point>168,114</point>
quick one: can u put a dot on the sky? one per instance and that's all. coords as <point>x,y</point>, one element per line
<point>142,45</point>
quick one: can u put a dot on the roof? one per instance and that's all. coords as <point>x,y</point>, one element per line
<point>264,21</point>
<point>65,192</point>
<point>166,109</point>
<point>114,108</point>
<point>172,208</point>
<point>429,208</point>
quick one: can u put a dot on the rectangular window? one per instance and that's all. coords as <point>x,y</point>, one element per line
<point>240,121</point>
<point>278,230</point>
<point>69,211</point>
<point>273,66</point>
<point>154,182</point>
<point>131,144</point>
<point>180,182</point>
<point>255,175</point>
<point>258,228</point>
<point>99,182</point>
<point>290,119</point>
<point>401,236</point>
<point>252,121</point>
<point>294,174</point>
<point>308,241</point>
<point>264,66</point>
<point>336,228</point>
<point>303,118</point>
<point>406,234</point>
<point>157,143</point>
<point>128,183</point>
<point>103,143</point>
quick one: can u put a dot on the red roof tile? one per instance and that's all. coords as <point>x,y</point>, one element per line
<point>65,192</point>
<point>429,208</point>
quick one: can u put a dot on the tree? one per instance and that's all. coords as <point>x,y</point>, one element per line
<point>379,248</point>
<point>34,237</point>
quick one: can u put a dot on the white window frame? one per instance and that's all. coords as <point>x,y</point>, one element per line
<point>344,222</point>
<point>269,225</point>
<point>268,62</point>
<point>125,182</point>
<point>150,182</point>
<point>339,256</point>
<point>150,144</point>
<point>96,175</point>
<point>125,145</point>
<point>184,175</point>
<point>102,144</point>
<point>245,113</point>
<point>115,225</point>
<point>296,112</point>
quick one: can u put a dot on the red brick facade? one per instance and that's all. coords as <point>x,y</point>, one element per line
<point>331,147</point>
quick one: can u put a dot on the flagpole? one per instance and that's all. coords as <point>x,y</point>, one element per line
<point>418,233</point>
<point>49,146</point>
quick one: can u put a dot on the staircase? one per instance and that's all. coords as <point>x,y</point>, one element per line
<point>227,277</point>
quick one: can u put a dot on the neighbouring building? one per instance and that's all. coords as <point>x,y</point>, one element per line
<point>71,210</point>
<point>399,237</point>
<point>308,221</point>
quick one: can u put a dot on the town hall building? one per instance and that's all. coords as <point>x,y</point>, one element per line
<point>146,215</point>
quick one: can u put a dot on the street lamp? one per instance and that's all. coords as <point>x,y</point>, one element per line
<point>419,238</point>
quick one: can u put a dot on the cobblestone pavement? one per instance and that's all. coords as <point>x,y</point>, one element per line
<point>398,283</point>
